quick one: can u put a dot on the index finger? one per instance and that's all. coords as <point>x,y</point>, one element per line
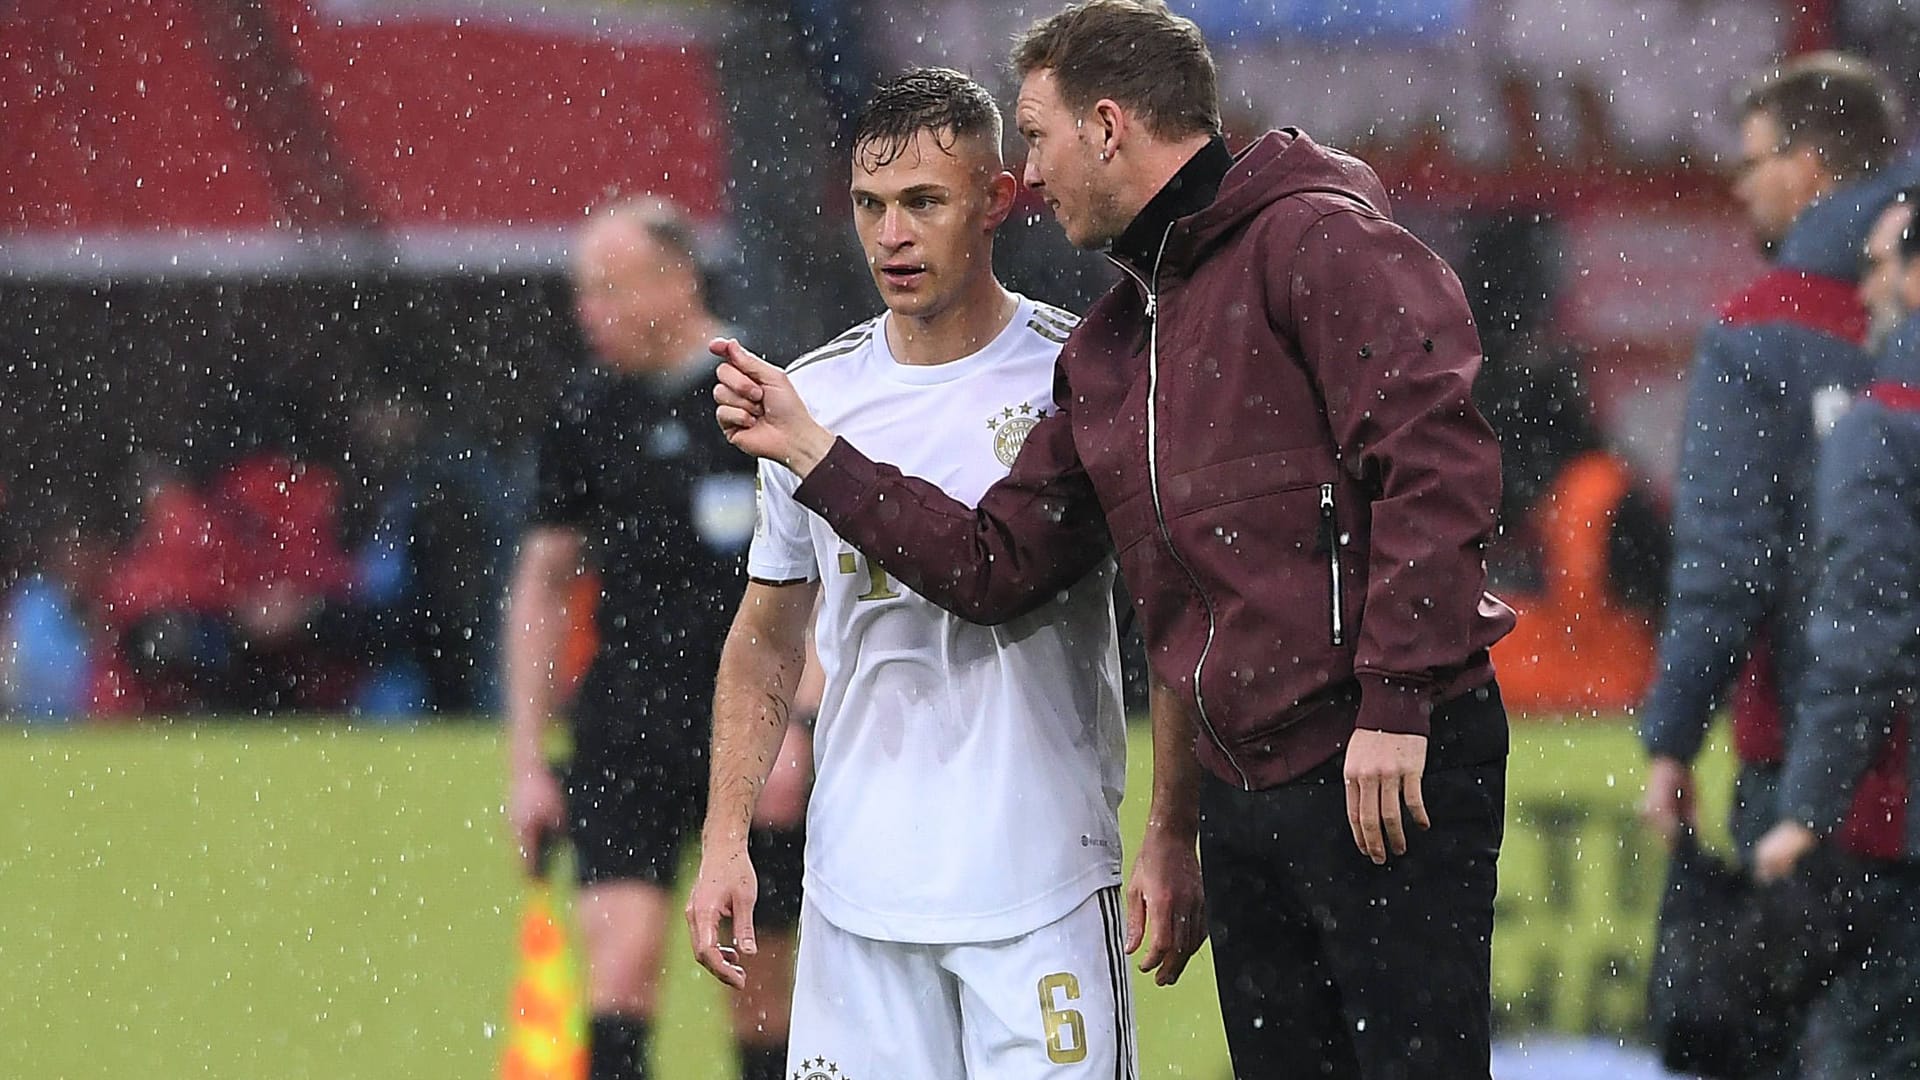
<point>741,357</point>
<point>703,925</point>
<point>1177,958</point>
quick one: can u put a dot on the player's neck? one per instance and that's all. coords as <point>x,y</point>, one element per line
<point>961,329</point>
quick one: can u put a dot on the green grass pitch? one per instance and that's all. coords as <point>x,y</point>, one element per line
<point>282,903</point>
<point>319,902</point>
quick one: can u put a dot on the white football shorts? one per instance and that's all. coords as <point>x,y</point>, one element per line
<point>1052,1004</point>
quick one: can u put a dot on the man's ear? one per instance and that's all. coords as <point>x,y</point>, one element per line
<point>1002,189</point>
<point>1111,126</point>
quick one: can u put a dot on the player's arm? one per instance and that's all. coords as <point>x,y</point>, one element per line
<point>1859,631</point>
<point>1728,520</point>
<point>760,668</point>
<point>1165,901</point>
<point>1033,534</point>
<point>537,622</point>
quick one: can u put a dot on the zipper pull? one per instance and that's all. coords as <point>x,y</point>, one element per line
<point>1331,528</point>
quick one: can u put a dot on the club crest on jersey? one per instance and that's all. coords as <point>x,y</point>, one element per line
<point>819,1068</point>
<point>1010,430</point>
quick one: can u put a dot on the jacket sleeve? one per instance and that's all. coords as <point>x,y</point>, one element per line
<point>1035,533</point>
<point>1385,330</point>
<point>1866,613</point>
<point>1729,521</point>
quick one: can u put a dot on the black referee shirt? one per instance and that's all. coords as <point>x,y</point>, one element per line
<point>637,464</point>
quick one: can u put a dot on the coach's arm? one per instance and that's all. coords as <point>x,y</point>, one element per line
<point>1034,533</point>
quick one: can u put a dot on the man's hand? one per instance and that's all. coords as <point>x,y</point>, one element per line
<point>1669,800</point>
<point>1165,896</point>
<point>535,808</point>
<point>1383,771</point>
<point>1778,852</point>
<point>725,891</point>
<point>760,412</point>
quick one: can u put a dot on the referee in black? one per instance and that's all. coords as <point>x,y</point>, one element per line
<point>637,484</point>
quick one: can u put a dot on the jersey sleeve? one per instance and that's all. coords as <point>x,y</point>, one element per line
<point>782,548</point>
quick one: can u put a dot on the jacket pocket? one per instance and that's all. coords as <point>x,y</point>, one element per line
<point>1274,572</point>
<point>1332,538</point>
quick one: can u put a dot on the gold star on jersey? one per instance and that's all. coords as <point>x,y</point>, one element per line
<point>819,1068</point>
<point>1010,430</point>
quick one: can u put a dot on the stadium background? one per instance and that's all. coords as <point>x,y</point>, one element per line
<point>212,207</point>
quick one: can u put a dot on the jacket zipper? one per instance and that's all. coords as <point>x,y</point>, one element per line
<point>1332,527</point>
<point>1150,287</point>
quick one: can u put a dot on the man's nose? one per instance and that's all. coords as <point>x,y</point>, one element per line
<point>893,229</point>
<point>1030,175</point>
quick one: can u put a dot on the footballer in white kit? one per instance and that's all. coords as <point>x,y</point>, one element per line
<point>961,917</point>
<point>963,854</point>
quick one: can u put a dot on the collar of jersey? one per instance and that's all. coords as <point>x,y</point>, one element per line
<point>934,374</point>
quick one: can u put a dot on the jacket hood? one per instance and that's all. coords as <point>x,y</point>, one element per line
<point>1899,359</point>
<point>1281,164</point>
<point>1828,236</point>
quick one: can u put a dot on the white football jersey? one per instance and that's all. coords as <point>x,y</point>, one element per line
<point>968,778</point>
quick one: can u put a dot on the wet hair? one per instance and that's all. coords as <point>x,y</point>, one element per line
<point>1136,52</point>
<point>1840,105</point>
<point>941,101</point>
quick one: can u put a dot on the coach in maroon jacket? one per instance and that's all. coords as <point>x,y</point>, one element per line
<point>1268,420</point>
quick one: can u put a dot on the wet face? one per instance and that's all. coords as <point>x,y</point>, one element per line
<point>1064,166</point>
<point>1910,286</point>
<point>630,295</point>
<point>926,217</point>
<point>1882,275</point>
<point>1775,181</point>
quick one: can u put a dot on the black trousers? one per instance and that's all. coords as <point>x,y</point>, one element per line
<point>1330,966</point>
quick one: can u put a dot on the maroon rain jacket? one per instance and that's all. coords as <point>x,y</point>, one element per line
<point>1269,421</point>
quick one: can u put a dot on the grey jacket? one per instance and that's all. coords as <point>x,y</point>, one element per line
<point>1863,639</point>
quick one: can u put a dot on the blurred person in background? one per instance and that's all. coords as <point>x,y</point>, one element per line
<point>635,482</point>
<point>292,578</point>
<point>1769,379</point>
<point>428,571</point>
<point>50,629</point>
<point>964,836</point>
<point>230,595</point>
<point>1856,699</point>
<point>1883,271</point>
<point>1583,545</point>
<point>165,602</point>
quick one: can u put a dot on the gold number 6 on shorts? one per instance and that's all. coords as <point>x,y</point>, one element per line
<point>1066,1030</point>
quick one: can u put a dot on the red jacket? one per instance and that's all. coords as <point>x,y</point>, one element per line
<point>1269,421</point>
